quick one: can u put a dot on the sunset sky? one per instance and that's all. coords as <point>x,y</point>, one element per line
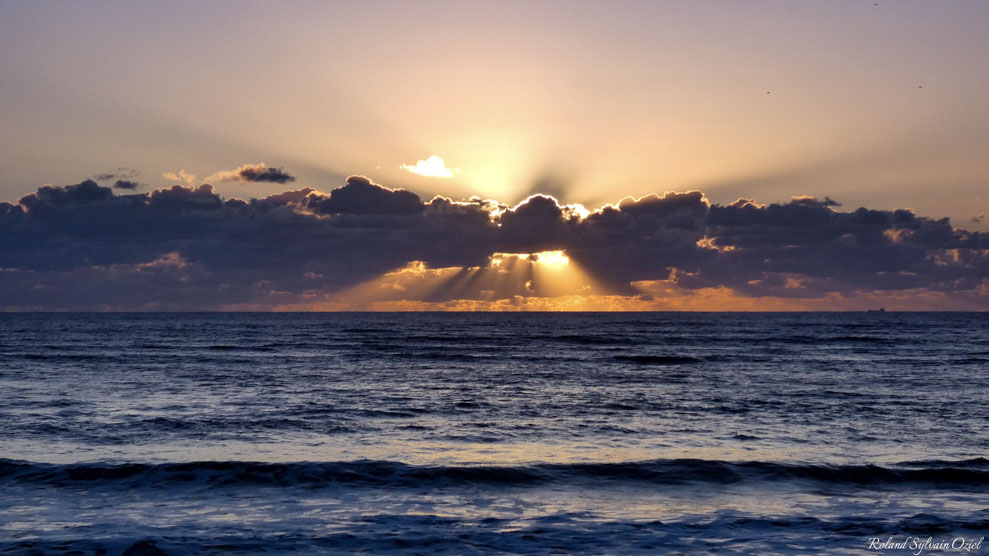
<point>808,109</point>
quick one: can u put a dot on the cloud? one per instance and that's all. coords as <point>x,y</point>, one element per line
<point>122,173</point>
<point>364,245</point>
<point>979,219</point>
<point>432,167</point>
<point>253,173</point>
<point>126,184</point>
<point>811,201</point>
<point>182,176</point>
<point>361,196</point>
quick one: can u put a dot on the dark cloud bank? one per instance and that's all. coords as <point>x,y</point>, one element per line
<point>84,247</point>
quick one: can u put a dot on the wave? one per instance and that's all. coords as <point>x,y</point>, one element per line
<point>823,339</point>
<point>722,532</point>
<point>657,359</point>
<point>973,473</point>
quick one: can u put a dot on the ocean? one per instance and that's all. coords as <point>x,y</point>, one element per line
<point>520,433</point>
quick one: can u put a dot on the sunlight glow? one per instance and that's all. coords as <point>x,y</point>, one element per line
<point>549,258</point>
<point>556,258</point>
<point>432,167</point>
<point>509,279</point>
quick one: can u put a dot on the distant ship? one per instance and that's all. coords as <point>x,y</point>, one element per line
<point>879,310</point>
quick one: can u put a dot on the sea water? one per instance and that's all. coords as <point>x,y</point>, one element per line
<point>600,433</point>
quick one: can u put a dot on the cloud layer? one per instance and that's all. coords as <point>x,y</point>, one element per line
<point>84,247</point>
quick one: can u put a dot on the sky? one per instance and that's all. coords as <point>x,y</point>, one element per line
<point>367,111</point>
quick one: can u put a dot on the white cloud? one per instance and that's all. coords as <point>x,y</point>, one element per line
<point>432,167</point>
<point>182,176</point>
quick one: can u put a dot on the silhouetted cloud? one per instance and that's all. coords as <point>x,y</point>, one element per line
<point>126,184</point>
<point>642,239</point>
<point>83,247</point>
<point>122,173</point>
<point>361,196</point>
<point>807,249</point>
<point>536,224</point>
<point>253,173</point>
<point>49,196</point>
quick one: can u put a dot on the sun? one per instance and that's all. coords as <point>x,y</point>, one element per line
<point>543,258</point>
<point>550,258</point>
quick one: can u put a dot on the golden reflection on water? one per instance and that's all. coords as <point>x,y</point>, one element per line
<point>422,452</point>
<point>464,453</point>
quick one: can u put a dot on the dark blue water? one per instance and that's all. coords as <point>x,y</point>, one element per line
<point>478,433</point>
